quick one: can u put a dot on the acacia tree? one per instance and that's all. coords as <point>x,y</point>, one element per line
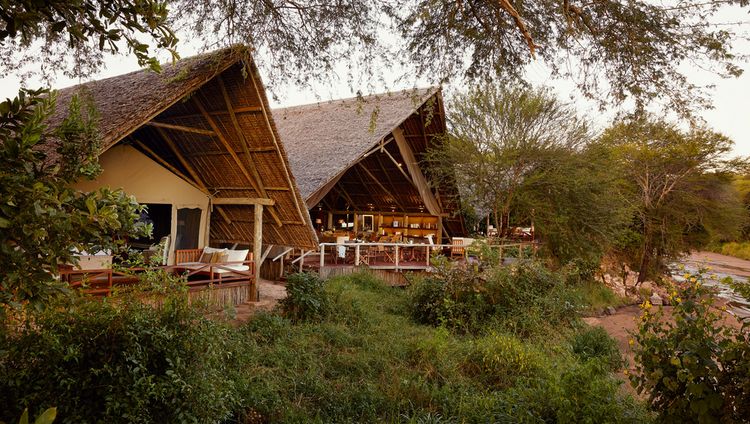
<point>521,153</point>
<point>44,221</point>
<point>678,183</point>
<point>615,50</point>
<point>72,36</point>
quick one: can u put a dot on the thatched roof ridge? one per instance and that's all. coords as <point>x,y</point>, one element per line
<point>125,102</point>
<point>325,139</point>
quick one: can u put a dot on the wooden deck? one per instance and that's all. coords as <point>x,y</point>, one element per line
<point>217,284</point>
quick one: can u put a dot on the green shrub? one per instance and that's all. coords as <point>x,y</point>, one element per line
<point>579,270</point>
<point>498,360</point>
<point>305,298</point>
<point>524,298</point>
<point>738,250</point>
<point>119,360</point>
<point>595,343</point>
<point>694,368</point>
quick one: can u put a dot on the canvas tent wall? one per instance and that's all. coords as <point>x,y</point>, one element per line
<point>207,121</point>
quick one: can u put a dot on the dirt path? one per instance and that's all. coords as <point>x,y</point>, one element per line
<point>270,294</point>
<point>720,263</point>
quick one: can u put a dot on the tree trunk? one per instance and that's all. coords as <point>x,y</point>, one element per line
<point>498,224</point>
<point>645,260</point>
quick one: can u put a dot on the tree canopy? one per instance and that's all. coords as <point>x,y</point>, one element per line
<point>616,51</point>
<point>678,183</point>
<point>70,36</point>
<point>522,156</point>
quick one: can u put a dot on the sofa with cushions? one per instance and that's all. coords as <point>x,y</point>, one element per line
<point>227,260</point>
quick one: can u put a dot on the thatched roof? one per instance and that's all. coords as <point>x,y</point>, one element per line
<point>230,149</point>
<point>324,139</point>
<point>328,145</point>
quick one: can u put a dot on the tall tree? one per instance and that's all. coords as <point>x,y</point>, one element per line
<point>521,153</point>
<point>679,185</point>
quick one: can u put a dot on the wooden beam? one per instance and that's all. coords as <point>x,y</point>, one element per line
<point>364,184</point>
<point>293,222</point>
<point>224,152</point>
<point>341,192</point>
<point>178,154</point>
<point>167,165</point>
<point>258,240</point>
<point>180,128</point>
<point>243,201</point>
<point>246,148</point>
<point>399,166</point>
<point>321,193</point>
<point>224,215</point>
<point>282,159</point>
<point>246,188</point>
<point>266,252</point>
<point>239,110</point>
<point>370,174</point>
<point>428,197</point>
<point>387,174</point>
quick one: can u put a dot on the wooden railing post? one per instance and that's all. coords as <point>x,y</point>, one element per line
<point>397,257</point>
<point>356,255</point>
<point>427,255</point>
<point>322,256</point>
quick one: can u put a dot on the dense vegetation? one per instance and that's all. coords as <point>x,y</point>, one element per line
<point>366,360</point>
<point>696,366</point>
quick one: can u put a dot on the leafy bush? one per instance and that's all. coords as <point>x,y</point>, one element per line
<point>120,360</point>
<point>522,297</point>
<point>737,249</point>
<point>583,393</point>
<point>694,368</point>
<point>595,343</point>
<point>498,360</point>
<point>305,298</point>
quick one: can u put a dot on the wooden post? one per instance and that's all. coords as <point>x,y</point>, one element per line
<point>257,246</point>
<point>520,250</point>
<point>427,255</point>
<point>322,257</point>
<point>356,254</point>
<point>501,255</point>
<point>397,257</point>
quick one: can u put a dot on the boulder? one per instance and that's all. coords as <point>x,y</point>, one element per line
<point>656,300</point>
<point>610,310</point>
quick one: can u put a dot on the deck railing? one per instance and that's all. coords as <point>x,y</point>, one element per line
<point>401,256</point>
<point>101,282</point>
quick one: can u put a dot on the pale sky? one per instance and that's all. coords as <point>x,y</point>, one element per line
<point>731,114</point>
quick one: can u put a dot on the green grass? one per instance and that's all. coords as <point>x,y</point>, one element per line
<point>596,296</point>
<point>360,357</point>
<point>368,361</point>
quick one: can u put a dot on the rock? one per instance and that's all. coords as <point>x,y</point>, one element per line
<point>610,310</point>
<point>656,300</point>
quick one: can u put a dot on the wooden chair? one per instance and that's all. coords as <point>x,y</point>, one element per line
<point>457,248</point>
